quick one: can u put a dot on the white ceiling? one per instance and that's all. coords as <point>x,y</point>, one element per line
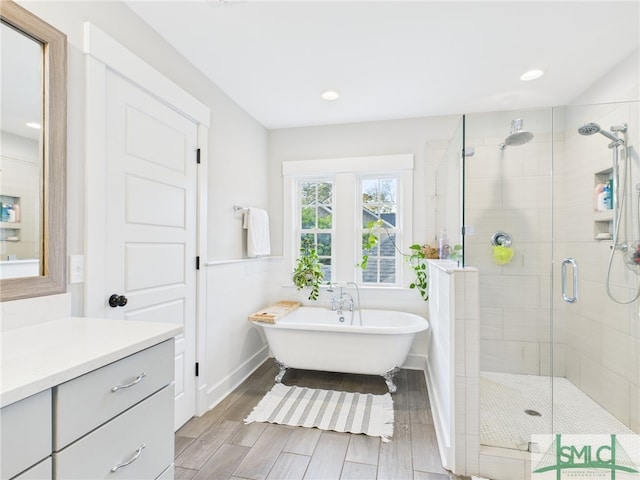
<point>394,59</point>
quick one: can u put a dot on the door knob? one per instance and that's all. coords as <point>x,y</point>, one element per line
<point>116,300</point>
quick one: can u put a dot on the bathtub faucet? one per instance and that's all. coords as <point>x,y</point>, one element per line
<point>338,302</point>
<point>349,301</point>
<point>334,300</point>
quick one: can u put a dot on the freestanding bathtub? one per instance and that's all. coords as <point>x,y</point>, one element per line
<point>313,338</point>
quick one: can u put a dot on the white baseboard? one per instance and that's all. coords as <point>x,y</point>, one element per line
<point>442,435</point>
<point>415,361</point>
<point>218,392</point>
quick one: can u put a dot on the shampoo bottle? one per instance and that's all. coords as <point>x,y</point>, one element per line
<point>602,201</point>
<point>607,198</point>
<point>596,196</point>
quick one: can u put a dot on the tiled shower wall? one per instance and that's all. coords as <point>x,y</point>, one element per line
<point>509,189</point>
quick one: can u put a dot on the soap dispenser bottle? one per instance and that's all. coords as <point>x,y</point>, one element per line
<point>443,245</point>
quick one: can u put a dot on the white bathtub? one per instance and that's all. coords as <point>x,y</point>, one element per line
<point>313,338</point>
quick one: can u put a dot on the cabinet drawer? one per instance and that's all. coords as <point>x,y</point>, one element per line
<point>86,402</point>
<point>149,423</point>
<point>168,474</point>
<point>25,433</point>
<point>41,471</point>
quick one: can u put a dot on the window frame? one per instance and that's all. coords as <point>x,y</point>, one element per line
<point>397,229</point>
<point>346,244</point>
<point>297,227</point>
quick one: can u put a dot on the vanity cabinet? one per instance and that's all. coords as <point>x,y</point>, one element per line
<point>117,421</point>
<point>137,444</point>
<point>25,434</point>
<point>103,405</point>
<point>86,402</point>
<point>42,470</point>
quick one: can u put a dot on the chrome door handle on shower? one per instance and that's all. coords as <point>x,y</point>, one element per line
<point>565,297</point>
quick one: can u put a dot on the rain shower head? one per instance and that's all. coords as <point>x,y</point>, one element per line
<point>518,138</point>
<point>593,128</point>
<point>518,135</point>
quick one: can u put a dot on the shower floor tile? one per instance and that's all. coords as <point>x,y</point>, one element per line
<point>504,398</point>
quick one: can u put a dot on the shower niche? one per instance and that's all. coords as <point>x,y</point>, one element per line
<point>602,218</point>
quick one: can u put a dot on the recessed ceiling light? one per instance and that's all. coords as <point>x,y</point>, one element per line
<point>33,125</point>
<point>330,95</point>
<point>531,75</point>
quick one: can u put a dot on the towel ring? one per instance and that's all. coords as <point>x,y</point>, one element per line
<point>501,238</point>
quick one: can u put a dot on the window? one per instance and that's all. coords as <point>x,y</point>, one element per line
<point>331,202</point>
<point>379,204</point>
<point>316,219</point>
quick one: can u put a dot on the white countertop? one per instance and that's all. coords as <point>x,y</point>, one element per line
<point>38,357</point>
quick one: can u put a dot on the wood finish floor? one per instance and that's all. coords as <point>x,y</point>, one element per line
<point>219,445</point>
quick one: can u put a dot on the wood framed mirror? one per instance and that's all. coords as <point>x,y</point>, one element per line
<point>51,212</point>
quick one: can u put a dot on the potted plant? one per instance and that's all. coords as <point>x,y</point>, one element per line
<point>308,269</point>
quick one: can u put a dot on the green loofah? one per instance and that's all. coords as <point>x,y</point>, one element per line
<point>502,255</point>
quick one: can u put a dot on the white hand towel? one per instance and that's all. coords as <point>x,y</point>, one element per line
<point>257,224</point>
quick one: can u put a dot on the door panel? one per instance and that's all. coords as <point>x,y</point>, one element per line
<point>151,216</point>
<point>154,203</point>
<point>140,259</point>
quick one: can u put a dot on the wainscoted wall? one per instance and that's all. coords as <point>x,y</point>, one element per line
<point>232,347</point>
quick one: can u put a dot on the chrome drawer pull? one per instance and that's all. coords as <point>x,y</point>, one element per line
<point>135,382</point>
<point>133,459</point>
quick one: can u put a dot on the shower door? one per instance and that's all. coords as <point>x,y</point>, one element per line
<point>596,354</point>
<point>508,190</point>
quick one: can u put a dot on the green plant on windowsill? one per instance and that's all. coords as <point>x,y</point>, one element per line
<point>416,258</point>
<point>456,253</point>
<point>308,269</point>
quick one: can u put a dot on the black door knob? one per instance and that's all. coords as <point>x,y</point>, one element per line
<point>116,300</point>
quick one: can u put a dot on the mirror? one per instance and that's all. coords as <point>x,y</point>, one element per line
<point>20,154</point>
<point>32,161</point>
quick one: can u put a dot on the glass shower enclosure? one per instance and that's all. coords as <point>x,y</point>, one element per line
<point>550,208</point>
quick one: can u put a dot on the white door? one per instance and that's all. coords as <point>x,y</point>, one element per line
<point>151,185</point>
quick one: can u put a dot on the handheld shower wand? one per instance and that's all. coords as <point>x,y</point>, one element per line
<point>592,128</point>
<point>617,196</point>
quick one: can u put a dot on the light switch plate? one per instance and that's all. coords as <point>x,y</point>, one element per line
<point>76,268</point>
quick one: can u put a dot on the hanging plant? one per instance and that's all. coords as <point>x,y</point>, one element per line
<point>308,269</point>
<point>417,261</point>
<point>416,258</point>
<point>369,242</point>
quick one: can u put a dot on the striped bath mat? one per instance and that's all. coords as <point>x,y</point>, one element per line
<point>327,410</point>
